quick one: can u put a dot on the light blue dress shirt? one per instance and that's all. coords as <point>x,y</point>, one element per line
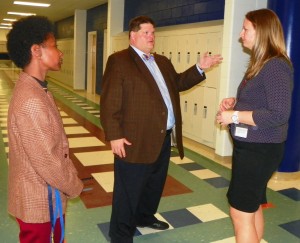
<point>154,69</point>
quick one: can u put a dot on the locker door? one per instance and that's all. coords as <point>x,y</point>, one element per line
<point>209,113</point>
<point>214,42</point>
<point>200,45</point>
<point>214,45</point>
<point>180,55</point>
<point>192,50</point>
<point>159,47</point>
<point>171,49</point>
<point>186,109</point>
<point>197,116</point>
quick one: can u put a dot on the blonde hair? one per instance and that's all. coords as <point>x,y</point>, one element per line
<point>269,40</point>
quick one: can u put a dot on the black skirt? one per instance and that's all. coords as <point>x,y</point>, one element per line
<point>252,167</point>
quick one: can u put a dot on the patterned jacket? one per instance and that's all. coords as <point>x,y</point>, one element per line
<point>38,153</point>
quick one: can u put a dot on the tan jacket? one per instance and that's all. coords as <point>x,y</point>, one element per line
<point>38,153</point>
<point>132,106</point>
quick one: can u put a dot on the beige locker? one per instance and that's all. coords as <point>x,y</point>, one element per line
<point>191,106</point>
<point>171,49</point>
<point>209,109</point>
<point>160,45</point>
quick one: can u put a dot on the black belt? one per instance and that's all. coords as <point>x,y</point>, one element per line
<point>168,132</point>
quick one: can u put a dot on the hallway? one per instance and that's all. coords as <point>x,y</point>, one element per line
<point>194,200</point>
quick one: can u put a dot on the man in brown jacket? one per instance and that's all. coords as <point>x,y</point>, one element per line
<point>38,147</point>
<point>139,107</point>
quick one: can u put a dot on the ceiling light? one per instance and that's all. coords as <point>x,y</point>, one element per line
<point>10,20</point>
<point>32,4</point>
<point>22,14</point>
<point>5,27</point>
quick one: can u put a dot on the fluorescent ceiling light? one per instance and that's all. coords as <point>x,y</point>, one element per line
<point>32,4</point>
<point>22,14</point>
<point>11,20</point>
<point>5,27</point>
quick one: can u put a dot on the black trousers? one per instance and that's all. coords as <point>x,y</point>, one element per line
<point>137,192</point>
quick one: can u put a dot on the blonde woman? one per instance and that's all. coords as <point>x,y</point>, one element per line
<point>258,118</point>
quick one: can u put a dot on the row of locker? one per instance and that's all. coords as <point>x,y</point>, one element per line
<point>183,50</point>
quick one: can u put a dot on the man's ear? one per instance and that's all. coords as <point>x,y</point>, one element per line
<point>36,51</point>
<point>132,35</point>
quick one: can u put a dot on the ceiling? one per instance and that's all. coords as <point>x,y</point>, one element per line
<point>58,10</point>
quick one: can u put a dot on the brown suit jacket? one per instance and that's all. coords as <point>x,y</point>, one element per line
<point>38,153</point>
<point>132,106</point>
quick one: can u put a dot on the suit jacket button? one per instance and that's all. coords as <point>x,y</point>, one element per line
<point>162,131</point>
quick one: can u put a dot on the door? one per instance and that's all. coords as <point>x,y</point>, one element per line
<point>91,66</point>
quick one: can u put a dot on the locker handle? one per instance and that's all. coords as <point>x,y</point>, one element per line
<point>188,57</point>
<point>198,56</point>
<point>204,111</point>
<point>178,57</point>
<point>163,53</point>
<point>185,106</point>
<point>170,56</point>
<point>195,109</point>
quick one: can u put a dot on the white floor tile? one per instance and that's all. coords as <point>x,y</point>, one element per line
<point>76,130</point>
<point>84,142</point>
<point>207,212</point>
<point>68,121</point>
<point>282,185</point>
<point>105,179</point>
<point>63,114</point>
<point>178,160</point>
<point>95,158</point>
<point>205,174</point>
<point>94,111</point>
<point>88,108</point>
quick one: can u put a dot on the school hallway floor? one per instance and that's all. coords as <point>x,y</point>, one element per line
<point>194,200</point>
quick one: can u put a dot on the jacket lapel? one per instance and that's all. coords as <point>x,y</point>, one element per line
<point>148,78</point>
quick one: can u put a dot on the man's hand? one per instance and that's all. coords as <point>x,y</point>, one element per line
<point>118,148</point>
<point>208,61</point>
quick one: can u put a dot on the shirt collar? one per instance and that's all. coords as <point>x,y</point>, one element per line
<point>139,52</point>
<point>44,84</point>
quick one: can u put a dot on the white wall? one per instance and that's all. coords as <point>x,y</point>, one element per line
<point>115,20</point>
<point>3,33</point>
<point>79,50</point>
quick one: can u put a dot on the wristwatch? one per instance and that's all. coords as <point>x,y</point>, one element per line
<point>235,117</point>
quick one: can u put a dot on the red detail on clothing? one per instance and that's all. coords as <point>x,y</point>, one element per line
<point>40,232</point>
<point>268,205</point>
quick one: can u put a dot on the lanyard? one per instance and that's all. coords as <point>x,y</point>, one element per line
<point>58,210</point>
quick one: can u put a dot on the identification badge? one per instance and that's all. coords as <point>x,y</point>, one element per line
<point>241,131</point>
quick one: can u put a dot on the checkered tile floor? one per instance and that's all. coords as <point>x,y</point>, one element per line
<point>199,214</point>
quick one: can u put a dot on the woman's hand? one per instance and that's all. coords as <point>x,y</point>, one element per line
<point>227,104</point>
